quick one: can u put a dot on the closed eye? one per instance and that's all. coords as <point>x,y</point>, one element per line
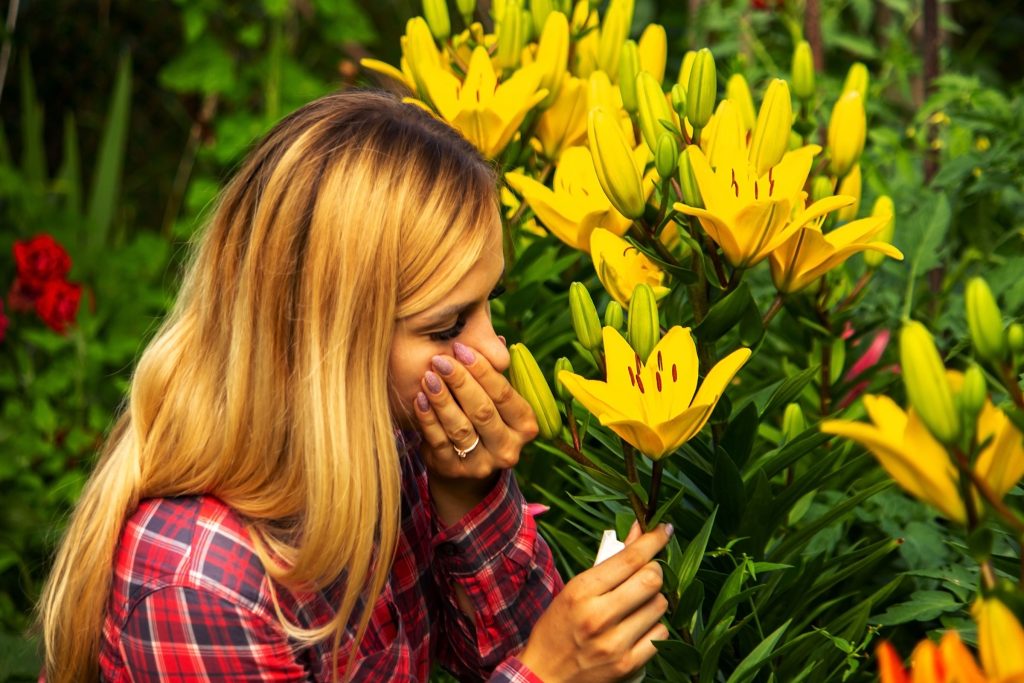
<point>460,322</point>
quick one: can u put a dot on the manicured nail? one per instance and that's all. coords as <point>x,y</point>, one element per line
<point>669,530</point>
<point>421,402</point>
<point>463,353</point>
<point>433,382</point>
<point>443,365</point>
<point>502,340</point>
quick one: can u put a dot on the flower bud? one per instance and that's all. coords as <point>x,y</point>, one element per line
<point>466,9</point>
<point>652,108</point>
<point>857,80</point>
<point>850,186</point>
<point>510,35</point>
<point>539,12</point>
<point>420,52</point>
<point>1015,337</point>
<point>771,133</point>
<point>584,317</point>
<point>667,156</point>
<point>679,100</point>
<point>614,164</point>
<point>643,329</point>
<point>613,315</point>
<point>688,182</point>
<point>846,132</point>
<point>560,365</point>
<point>821,187</point>
<point>702,89</point>
<point>927,387</point>
<point>737,90</point>
<point>436,14</point>
<point>793,423</point>
<point>972,395</point>
<point>614,31</point>
<point>803,71</point>
<point>629,69</point>
<point>529,382</point>
<point>686,68</point>
<point>985,321</point>
<point>553,55</point>
<point>652,49</point>
<point>883,207</point>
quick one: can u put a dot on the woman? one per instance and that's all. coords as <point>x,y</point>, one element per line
<point>321,424</point>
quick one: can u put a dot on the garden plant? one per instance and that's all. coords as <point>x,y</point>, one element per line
<point>764,283</point>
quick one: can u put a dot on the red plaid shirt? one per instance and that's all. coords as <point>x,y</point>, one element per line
<point>191,600</point>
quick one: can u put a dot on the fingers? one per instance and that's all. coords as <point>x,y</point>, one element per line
<point>473,415</point>
<point>512,407</point>
<point>634,533</point>
<point>644,649</point>
<point>634,592</point>
<point>639,621</point>
<point>612,572</point>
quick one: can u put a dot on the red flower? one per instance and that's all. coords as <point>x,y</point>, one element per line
<point>57,304</point>
<point>3,321</point>
<point>40,260</point>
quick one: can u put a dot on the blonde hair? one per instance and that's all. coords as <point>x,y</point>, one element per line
<point>267,385</point>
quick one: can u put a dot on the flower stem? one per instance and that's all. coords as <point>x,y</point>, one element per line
<point>857,289</point>
<point>630,456</point>
<point>772,310</point>
<point>988,494</point>
<point>1011,384</point>
<point>652,495</point>
<point>576,455</point>
<point>573,428</point>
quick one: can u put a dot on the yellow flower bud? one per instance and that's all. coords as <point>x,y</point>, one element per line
<point>972,395</point>
<point>653,48</point>
<point>652,108</point>
<point>702,89</point>
<point>539,12</point>
<point>846,132</point>
<point>793,423</point>
<point>420,52</point>
<point>560,365</point>
<point>821,187</point>
<point>857,79</point>
<point>584,317</point>
<point>850,186</point>
<point>688,183</point>
<point>883,207</point>
<point>686,67</point>
<point>529,382</point>
<point>679,100</point>
<point>774,121</point>
<point>927,387</point>
<point>629,69</point>
<point>985,321</point>
<point>466,9</point>
<point>643,329</point>
<point>510,35</point>
<point>614,315</point>
<point>436,14</point>
<point>614,164</point>
<point>737,90</point>
<point>803,71</point>
<point>666,158</point>
<point>1015,337</point>
<point>614,31</point>
<point>553,55</point>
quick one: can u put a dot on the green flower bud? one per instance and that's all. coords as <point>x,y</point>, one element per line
<point>679,100</point>
<point>529,382</point>
<point>466,9</point>
<point>1015,337</point>
<point>688,183</point>
<point>436,14</point>
<point>667,156</point>
<point>857,79</point>
<point>643,330</point>
<point>793,422</point>
<point>883,206</point>
<point>803,71</point>
<point>927,387</point>
<point>702,89</point>
<point>584,317</point>
<point>614,30</point>
<point>510,35</point>
<point>985,321</point>
<point>613,161</point>
<point>562,364</point>
<point>629,67</point>
<point>539,11</point>
<point>614,316</point>
<point>972,395</point>
<point>652,108</point>
<point>821,187</point>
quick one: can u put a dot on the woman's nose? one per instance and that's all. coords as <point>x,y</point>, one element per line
<point>492,346</point>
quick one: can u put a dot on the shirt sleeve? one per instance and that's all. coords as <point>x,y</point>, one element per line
<point>507,570</point>
<point>188,634</point>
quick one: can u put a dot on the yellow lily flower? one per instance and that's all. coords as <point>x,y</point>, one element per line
<point>750,216</point>
<point>809,254</point>
<point>486,113</point>
<point>621,267</point>
<point>1001,463</point>
<point>576,204</point>
<point>1000,640</point>
<point>656,405</point>
<point>564,123</point>
<point>851,186</point>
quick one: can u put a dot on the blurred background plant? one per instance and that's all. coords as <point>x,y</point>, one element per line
<point>794,553</point>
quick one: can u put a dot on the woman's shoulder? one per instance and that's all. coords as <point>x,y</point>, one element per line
<point>192,542</point>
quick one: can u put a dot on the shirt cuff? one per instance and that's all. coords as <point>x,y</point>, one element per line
<point>485,532</point>
<point>513,671</point>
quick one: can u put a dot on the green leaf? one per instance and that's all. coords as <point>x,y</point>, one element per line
<point>727,313</point>
<point>666,507</point>
<point>70,175</point>
<point>33,152</point>
<point>204,67</point>
<point>676,656</point>
<point>757,657</point>
<point>789,390</point>
<point>727,492</point>
<point>927,243</point>
<point>923,606</point>
<point>694,554</point>
<point>106,185</point>
<point>739,435</point>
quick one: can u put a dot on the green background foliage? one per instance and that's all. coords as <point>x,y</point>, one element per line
<point>122,119</point>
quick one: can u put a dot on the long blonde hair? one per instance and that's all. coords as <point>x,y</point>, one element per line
<point>267,385</point>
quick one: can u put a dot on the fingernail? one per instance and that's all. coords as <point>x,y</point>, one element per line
<point>433,382</point>
<point>421,402</point>
<point>463,353</point>
<point>443,365</point>
<point>669,530</point>
<point>502,340</point>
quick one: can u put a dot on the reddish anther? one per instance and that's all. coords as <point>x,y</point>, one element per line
<point>640,384</point>
<point>657,378</point>
<point>660,366</point>
<point>675,376</point>
<point>632,379</point>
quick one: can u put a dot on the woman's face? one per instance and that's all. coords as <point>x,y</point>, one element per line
<point>462,315</point>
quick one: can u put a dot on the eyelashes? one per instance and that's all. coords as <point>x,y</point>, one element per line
<point>460,323</point>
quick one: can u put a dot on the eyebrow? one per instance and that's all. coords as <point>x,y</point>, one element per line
<point>453,310</point>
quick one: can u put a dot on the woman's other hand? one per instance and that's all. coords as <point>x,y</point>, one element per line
<point>600,627</point>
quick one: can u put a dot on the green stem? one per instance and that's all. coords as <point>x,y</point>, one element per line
<point>772,311</point>
<point>653,491</point>
<point>576,455</point>
<point>1012,385</point>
